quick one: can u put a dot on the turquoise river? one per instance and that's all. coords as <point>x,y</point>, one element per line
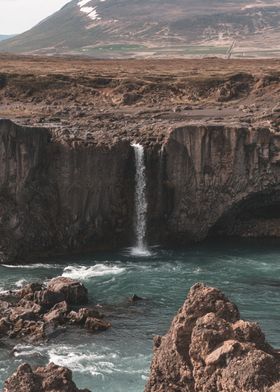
<point>118,360</point>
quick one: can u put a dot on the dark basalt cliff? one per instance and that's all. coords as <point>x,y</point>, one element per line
<point>221,180</point>
<point>203,180</point>
<point>61,197</point>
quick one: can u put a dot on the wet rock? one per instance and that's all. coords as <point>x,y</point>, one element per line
<point>28,290</point>
<point>37,313</point>
<point>57,314</point>
<point>208,348</point>
<point>21,313</point>
<point>135,298</point>
<point>4,305</point>
<point>35,308</point>
<point>94,324</point>
<point>74,292</point>
<point>81,316</point>
<point>50,378</point>
<point>5,326</point>
<point>48,298</point>
<point>31,331</point>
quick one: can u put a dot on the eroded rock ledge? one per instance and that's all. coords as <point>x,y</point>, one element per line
<point>210,349</point>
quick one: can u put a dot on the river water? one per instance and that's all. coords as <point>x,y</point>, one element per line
<point>118,360</point>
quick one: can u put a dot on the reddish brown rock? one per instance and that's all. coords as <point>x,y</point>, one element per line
<point>81,316</point>
<point>28,330</point>
<point>30,305</point>
<point>37,313</point>
<point>51,378</point>
<point>94,324</point>
<point>5,326</point>
<point>209,349</point>
<point>29,289</point>
<point>74,292</point>
<point>57,314</point>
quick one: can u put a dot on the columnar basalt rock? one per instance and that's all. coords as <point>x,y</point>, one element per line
<point>57,196</point>
<point>203,179</point>
<point>222,180</point>
<point>208,348</point>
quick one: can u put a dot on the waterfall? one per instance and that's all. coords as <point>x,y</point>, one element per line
<point>140,219</point>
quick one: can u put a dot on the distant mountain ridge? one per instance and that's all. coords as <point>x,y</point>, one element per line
<point>4,36</point>
<point>156,28</point>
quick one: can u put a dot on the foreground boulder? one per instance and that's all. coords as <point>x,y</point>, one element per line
<point>209,349</point>
<point>50,378</point>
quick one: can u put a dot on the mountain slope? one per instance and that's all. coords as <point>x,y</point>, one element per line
<point>124,28</point>
<point>4,37</point>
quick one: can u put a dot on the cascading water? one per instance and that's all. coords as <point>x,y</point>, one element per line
<point>140,220</point>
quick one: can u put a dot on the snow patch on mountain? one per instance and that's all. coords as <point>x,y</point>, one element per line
<point>81,3</point>
<point>91,12</point>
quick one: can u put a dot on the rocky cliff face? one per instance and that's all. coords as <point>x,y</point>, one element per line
<point>211,132</point>
<point>221,180</point>
<point>203,180</point>
<point>60,197</point>
<point>208,348</point>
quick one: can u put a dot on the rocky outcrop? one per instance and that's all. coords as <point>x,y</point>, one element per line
<point>38,313</point>
<point>208,348</point>
<point>50,378</point>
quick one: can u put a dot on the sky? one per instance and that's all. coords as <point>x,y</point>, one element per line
<point>17,16</point>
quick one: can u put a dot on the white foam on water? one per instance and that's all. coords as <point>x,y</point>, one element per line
<point>30,266</point>
<point>140,252</point>
<point>20,283</point>
<point>82,360</point>
<point>23,351</point>
<point>84,273</point>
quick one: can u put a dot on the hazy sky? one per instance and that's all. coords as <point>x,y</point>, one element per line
<point>17,16</point>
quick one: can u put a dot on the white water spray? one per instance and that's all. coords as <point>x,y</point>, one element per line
<point>140,203</point>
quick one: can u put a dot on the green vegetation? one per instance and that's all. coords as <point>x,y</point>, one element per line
<point>121,47</point>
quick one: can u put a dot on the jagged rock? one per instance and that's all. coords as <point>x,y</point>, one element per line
<point>74,292</point>
<point>50,378</point>
<point>94,324</point>
<point>81,316</point>
<point>57,314</point>
<point>30,331</point>
<point>28,290</point>
<point>21,313</point>
<point>48,298</point>
<point>208,348</point>
<point>4,305</point>
<point>5,326</point>
<point>37,313</point>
